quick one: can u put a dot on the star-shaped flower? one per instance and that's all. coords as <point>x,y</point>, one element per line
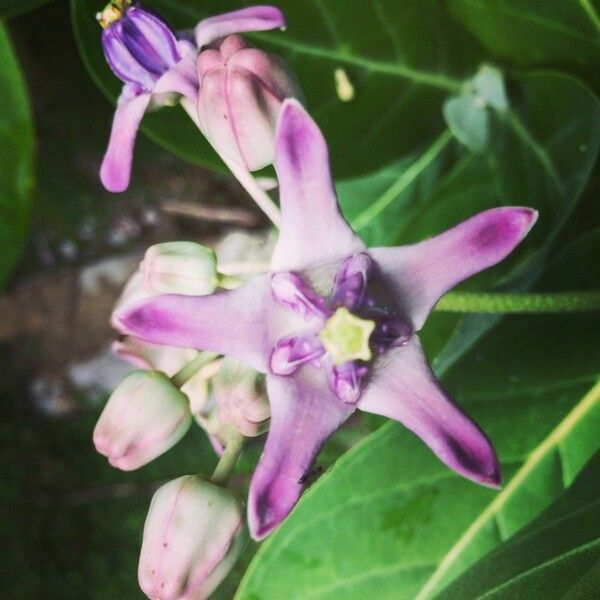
<point>304,325</point>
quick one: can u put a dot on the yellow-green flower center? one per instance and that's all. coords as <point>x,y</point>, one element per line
<point>112,12</point>
<point>346,336</point>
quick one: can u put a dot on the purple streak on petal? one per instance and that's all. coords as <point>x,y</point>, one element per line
<point>405,389</point>
<point>351,280</point>
<point>149,40</point>
<point>291,353</point>
<point>231,323</point>
<point>304,413</point>
<point>291,291</point>
<point>312,228</point>
<point>346,381</point>
<point>253,18</point>
<point>122,63</point>
<point>390,332</point>
<point>422,273</point>
<point>181,78</point>
<point>116,166</point>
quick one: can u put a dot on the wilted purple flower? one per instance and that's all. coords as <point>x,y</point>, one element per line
<point>158,68</point>
<point>333,325</point>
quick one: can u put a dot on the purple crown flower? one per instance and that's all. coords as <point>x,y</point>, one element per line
<point>334,325</point>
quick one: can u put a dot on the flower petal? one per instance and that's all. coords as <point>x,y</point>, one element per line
<point>313,229</point>
<point>182,78</point>
<point>231,323</point>
<point>253,18</point>
<point>304,413</point>
<point>420,274</point>
<point>405,389</point>
<point>116,166</point>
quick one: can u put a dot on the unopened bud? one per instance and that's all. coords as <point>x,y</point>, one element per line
<point>179,268</point>
<point>193,535</point>
<point>155,357</point>
<point>241,92</point>
<point>144,417</point>
<point>242,398</point>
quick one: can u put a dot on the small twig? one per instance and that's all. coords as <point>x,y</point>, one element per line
<point>207,212</point>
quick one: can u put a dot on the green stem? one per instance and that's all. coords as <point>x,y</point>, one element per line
<point>492,302</point>
<point>190,369</point>
<point>229,459</point>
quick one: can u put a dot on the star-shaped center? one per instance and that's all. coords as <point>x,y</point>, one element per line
<point>346,337</point>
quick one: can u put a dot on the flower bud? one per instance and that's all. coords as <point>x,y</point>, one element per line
<point>144,417</point>
<point>242,398</point>
<point>155,357</point>
<point>179,268</point>
<point>241,92</point>
<point>194,533</point>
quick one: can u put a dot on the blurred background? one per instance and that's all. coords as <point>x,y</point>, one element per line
<point>378,78</point>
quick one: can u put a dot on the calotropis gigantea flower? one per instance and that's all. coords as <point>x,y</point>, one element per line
<point>193,534</point>
<point>334,325</point>
<point>158,68</point>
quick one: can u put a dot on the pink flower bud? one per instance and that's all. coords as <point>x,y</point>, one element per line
<point>179,268</point>
<point>242,398</point>
<point>241,92</point>
<point>157,357</point>
<point>193,534</point>
<point>144,417</point>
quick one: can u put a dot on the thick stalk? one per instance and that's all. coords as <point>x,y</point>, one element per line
<point>190,369</point>
<point>505,303</point>
<point>229,459</point>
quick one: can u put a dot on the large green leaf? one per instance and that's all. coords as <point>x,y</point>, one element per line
<point>556,554</point>
<point>563,33</point>
<point>12,8</point>
<point>16,157</point>
<point>402,59</point>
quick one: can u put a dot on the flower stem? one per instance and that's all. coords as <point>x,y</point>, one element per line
<point>507,303</point>
<point>244,177</point>
<point>229,459</point>
<point>190,369</point>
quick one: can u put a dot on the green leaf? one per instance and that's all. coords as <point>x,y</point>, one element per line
<point>16,158</point>
<point>468,121</point>
<point>400,77</point>
<point>13,8</point>
<point>551,557</point>
<point>536,32</point>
